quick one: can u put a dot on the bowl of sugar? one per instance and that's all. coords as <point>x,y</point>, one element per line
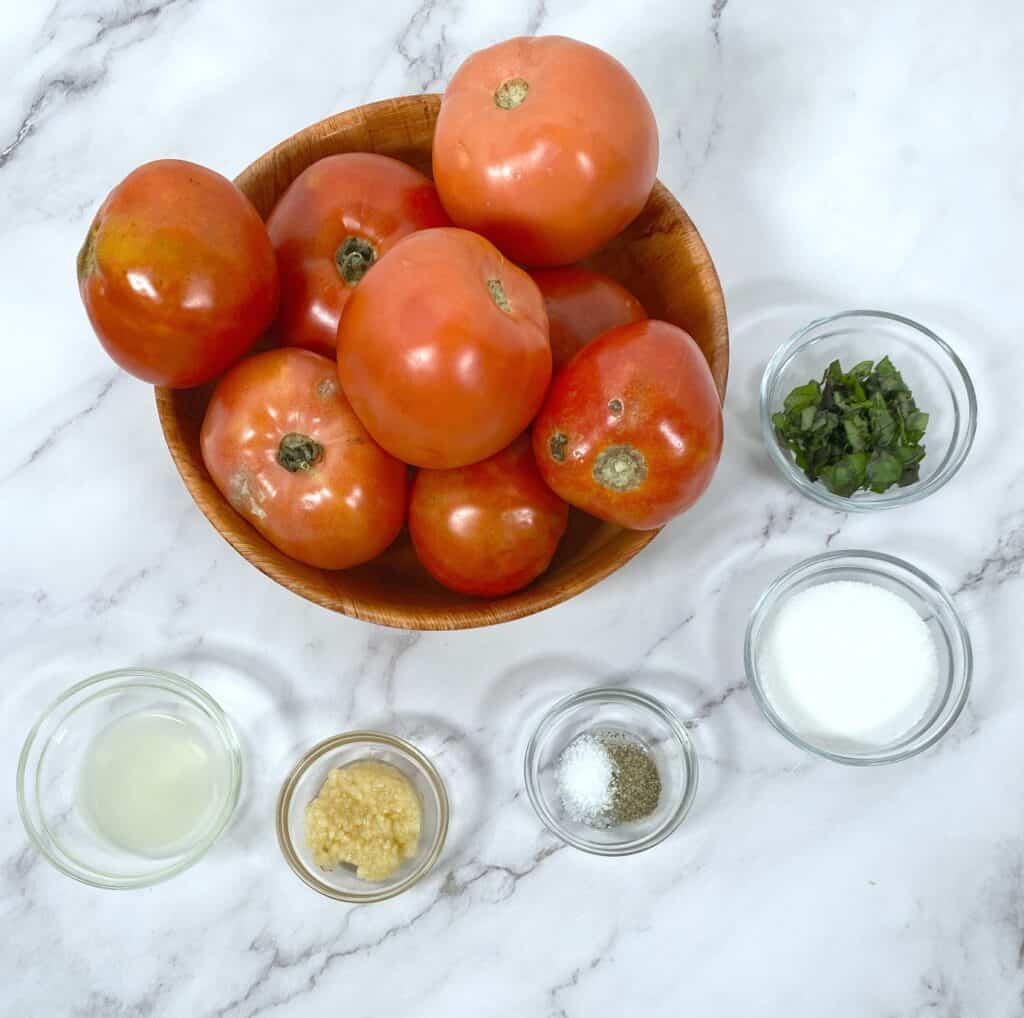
<point>858,657</point>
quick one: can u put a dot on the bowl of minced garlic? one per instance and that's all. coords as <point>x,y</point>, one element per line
<point>362,816</point>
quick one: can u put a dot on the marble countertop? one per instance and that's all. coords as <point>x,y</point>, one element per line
<point>865,154</point>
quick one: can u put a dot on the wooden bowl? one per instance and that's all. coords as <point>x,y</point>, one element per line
<point>660,257</point>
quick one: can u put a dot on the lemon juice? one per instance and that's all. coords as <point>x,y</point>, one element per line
<point>150,783</point>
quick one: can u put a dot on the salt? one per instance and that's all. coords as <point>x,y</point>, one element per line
<point>849,661</point>
<point>584,774</point>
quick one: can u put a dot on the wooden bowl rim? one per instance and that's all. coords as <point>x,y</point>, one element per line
<point>472,613</point>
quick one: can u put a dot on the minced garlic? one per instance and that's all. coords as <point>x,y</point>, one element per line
<point>366,814</point>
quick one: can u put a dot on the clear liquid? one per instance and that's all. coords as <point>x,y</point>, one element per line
<point>150,783</point>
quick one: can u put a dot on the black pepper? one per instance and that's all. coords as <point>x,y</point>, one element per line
<point>636,784</point>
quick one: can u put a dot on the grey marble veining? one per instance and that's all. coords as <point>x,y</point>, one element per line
<point>863,155</point>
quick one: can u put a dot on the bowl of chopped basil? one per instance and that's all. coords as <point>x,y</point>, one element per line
<point>867,410</point>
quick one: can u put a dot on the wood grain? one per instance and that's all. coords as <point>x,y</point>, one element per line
<point>660,257</point>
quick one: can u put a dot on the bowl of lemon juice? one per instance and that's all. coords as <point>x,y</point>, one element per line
<point>129,777</point>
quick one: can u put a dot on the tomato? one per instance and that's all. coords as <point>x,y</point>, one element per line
<point>489,528</point>
<point>631,430</point>
<point>334,221</point>
<point>285,449</point>
<point>443,349</point>
<point>177,273</point>
<point>581,305</point>
<point>547,146</point>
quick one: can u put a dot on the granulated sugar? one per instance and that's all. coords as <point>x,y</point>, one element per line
<point>851,661</point>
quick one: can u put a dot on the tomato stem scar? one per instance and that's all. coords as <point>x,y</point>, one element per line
<point>87,254</point>
<point>299,452</point>
<point>556,446</point>
<point>509,94</point>
<point>498,294</point>
<point>354,258</point>
<point>620,468</point>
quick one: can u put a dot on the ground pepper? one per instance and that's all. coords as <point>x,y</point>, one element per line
<point>636,786</point>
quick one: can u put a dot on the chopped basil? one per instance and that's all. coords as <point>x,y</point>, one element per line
<point>855,430</point>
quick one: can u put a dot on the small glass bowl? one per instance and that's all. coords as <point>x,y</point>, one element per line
<point>635,714</point>
<point>925,596</point>
<point>936,376</point>
<point>50,773</point>
<point>306,780</point>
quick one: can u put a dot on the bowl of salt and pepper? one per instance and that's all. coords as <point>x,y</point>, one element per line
<point>611,771</point>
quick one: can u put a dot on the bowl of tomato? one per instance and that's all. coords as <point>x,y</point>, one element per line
<point>658,261</point>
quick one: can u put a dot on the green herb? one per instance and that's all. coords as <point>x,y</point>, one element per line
<point>855,430</point>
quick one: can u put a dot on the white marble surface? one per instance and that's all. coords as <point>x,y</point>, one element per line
<point>867,154</point>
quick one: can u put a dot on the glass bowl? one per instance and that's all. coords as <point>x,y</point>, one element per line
<point>305,781</point>
<point>620,710</point>
<point>925,596</point>
<point>939,381</point>
<point>53,800</point>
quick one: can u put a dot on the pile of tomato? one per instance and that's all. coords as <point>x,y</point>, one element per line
<point>436,325</point>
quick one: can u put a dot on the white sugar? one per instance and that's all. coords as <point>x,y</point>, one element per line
<point>585,778</point>
<point>849,661</point>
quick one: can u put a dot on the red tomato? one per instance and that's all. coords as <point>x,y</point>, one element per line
<point>285,449</point>
<point>489,528</point>
<point>443,349</point>
<point>631,430</point>
<point>334,221</point>
<point>581,305</point>
<point>177,273</point>
<point>547,146</point>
